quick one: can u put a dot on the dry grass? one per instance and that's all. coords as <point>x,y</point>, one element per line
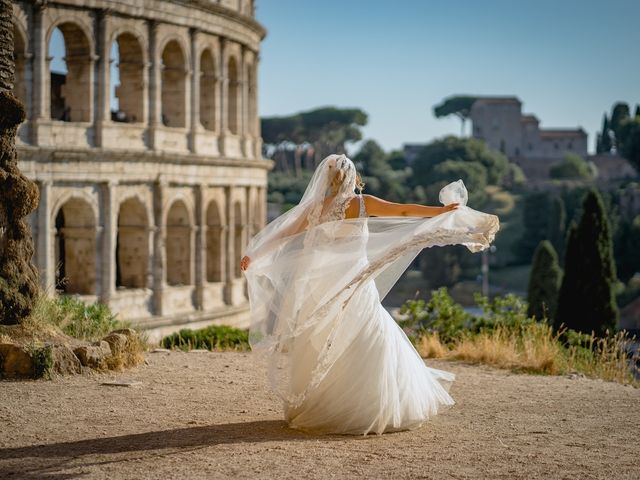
<point>64,323</point>
<point>536,349</point>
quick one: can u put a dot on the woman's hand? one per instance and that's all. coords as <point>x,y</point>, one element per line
<point>448,208</point>
<point>244,263</point>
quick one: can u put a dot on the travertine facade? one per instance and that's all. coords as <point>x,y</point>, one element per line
<point>148,213</point>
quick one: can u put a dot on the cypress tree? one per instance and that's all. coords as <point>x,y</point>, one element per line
<point>587,301</point>
<point>619,114</point>
<point>544,282</point>
<point>605,145</point>
<point>555,227</point>
<point>536,224</point>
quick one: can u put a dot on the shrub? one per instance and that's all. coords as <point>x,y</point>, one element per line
<point>75,318</point>
<point>214,337</point>
<point>544,282</point>
<point>440,315</point>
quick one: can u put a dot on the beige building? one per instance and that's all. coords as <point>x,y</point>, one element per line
<point>146,209</point>
<point>499,121</point>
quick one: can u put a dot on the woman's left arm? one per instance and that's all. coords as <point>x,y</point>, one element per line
<point>378,207</point>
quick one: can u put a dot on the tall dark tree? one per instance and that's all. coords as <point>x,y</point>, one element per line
<point>619,113</point>
<point>637,114</point>
<point>629,141</point>
<point>586,301</point>
<point>556,225</point>
<point>544,282</point>
<point>604,137</point>
<point>18,195</point>
<point>536,224</point>
<point>627,248</point>
<point>458,105</point>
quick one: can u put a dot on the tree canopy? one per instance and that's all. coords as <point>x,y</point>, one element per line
<point>313,134</point>
<point>450,158</point>
<point>458,105</point>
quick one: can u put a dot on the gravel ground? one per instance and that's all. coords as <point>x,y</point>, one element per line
<point>211,415</point>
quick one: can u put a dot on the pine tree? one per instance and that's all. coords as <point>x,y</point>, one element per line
<point>637,114</point>
<point>544,282</point>
<point>586,301</point>
<point>556,225</point>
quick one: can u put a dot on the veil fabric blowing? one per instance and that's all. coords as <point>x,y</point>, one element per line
<point>316,280</point>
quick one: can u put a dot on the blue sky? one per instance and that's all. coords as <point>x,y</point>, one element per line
<point>567,60</point>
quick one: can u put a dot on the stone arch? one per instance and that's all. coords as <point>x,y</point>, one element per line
<point>70,92</point>
<point>215,243</point>
<point>178,244</point>
<point>207,90</point>
<point>132,245</point>
<point>238,237</point>
<point>233,100</point>
<point>131,90</point>
<point>174,85</point>
<point>20,59</point>
<point>75,247</point>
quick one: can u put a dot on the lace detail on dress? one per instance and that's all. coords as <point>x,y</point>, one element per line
<point>338,212</point>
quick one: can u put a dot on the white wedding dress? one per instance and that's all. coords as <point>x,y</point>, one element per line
<point>335,356</point>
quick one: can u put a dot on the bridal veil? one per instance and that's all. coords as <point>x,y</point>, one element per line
<point>310,263</point>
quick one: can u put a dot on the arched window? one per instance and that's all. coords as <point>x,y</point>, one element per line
<point>75,248</point>
<point>238,241</point>
<point>70,74</point>
<point>132,247</point>
<point>178,245</point>
<point>207,91</point>
<point>174,80</point>
<point>215,244</point>
<point>233,100</point>
<point>127,81</point>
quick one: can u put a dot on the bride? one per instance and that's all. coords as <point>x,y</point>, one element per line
<point>316,277</point>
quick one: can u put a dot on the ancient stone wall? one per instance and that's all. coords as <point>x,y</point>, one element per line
<point>146,207</point>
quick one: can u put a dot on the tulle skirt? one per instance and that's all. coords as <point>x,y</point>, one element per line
<point>378,384</point>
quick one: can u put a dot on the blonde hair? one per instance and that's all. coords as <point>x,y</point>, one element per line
<point>339,177</point>
<point>359,183</point>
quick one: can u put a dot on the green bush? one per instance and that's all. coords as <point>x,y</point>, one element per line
<point>509,311</point>
<point>214,337</point>
<point>573,166</point>
<point>440,315</point>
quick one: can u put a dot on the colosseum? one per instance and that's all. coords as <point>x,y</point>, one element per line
<point>146,149</point>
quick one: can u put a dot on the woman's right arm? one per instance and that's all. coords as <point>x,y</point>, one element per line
<point>378,207</point>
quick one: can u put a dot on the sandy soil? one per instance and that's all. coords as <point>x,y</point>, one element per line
<point>210,415</point>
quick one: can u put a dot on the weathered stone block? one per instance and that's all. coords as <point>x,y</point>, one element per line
<point>15,361</point>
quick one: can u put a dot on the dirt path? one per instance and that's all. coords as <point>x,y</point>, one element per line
<point>210,415</point>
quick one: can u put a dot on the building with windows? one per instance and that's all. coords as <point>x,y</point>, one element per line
<point>147,206</point>
<point>499,121</point>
